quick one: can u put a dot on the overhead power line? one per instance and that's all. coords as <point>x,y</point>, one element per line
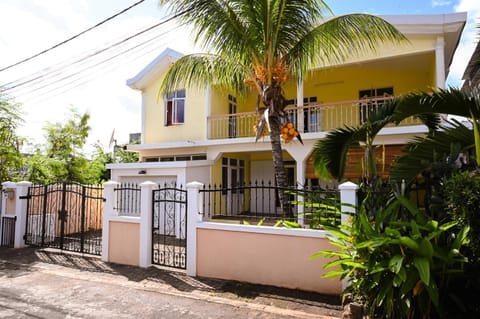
<point>71,38</point>
<point>20,83</point>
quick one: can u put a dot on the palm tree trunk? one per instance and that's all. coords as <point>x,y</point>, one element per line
<point>279,167</point>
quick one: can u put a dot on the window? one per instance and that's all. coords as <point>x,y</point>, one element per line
<point>175,110</point>
<point>233,174</point>
<point>369,107</point>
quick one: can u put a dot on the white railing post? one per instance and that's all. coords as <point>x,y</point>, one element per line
<point>194,216</point>
<point>348,200</point>
<point>146,210</point>
<point>21,213</point>
<point>108,212</point>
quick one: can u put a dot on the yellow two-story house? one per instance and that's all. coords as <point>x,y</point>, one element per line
<point>208,135</point>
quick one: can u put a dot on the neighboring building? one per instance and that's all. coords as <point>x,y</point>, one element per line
<point>207,135</point>
<point>471,76</point>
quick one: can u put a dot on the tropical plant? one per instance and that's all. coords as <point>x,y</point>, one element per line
<point>259,45</point>
<point>452,144</point>
<point>401,264</point>
<point>330,153</point>
<point>450,101</point>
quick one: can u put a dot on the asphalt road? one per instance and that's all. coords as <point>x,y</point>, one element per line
<point>41,289</point>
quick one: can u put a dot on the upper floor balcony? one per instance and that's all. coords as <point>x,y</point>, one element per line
<point>311,118</point>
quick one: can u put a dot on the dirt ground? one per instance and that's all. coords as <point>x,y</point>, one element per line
<point>210,295</point>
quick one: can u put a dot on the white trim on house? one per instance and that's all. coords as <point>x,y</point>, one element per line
<point>145,76</point>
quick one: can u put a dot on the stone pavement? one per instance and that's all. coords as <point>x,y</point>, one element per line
<point>42,283</point>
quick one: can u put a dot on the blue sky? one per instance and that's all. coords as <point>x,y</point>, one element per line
<point>29,26</point>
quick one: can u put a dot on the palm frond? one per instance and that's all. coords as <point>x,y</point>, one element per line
<point>219,26</point>
<point>200,70</point>
<point>423,151</point>
<point>339,38</point>
<point>330,153</point>
<point>451,101</point>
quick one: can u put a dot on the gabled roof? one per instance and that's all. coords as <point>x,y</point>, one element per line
<point>472,71</point>
<point>145,76</point>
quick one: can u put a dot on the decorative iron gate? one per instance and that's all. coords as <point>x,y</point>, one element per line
<point>8,231</point>
<point>169,226</point>
<point>65,216</point>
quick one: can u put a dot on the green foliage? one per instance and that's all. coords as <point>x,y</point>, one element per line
<point>462,191</point>
<point>400,263</point>
<point>10,158</point>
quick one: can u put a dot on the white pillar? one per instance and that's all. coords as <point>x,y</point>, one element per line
<point>21,213</point>
<point>194,216</point>
<point>300,114</point>
<point>440,63</point>
<point>348,200</point>
<point>146,205</point>
<point>108,212</point>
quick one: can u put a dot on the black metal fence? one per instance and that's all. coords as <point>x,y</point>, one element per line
<point>169,226</point>
<point>128,199</point>
<point>65,216</point>
<point>259,201</point>
<point>8,231</point>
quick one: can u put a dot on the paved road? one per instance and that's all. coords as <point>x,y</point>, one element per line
<point>65,287</point>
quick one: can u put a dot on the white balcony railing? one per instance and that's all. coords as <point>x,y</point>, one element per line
<point>311,118</point>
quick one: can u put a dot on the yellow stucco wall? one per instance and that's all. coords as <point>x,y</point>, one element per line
<point>195,116</point>
<point>391,66</point>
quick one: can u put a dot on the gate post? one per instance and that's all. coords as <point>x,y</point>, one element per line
<point>348,199</point>
<point>349,203</point>
<point>108,211</point>
<point>194,216</point>
<point>20,212</point>
<point>146,211</point>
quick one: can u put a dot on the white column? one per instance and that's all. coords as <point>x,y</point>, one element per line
<point>300,171</point>
<point>108,212</point>
<point>21,213</point>
<point>300,115</point>
<point>146,205</point>
<point>208,109</point>
<point>348,200</point>
<point>440,63</point>
<point>194,216</point>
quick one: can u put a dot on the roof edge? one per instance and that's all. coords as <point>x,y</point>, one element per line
<point>139,81</point>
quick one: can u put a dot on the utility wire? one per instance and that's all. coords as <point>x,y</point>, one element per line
<point>79,75</point>
<point>39,77</point>
<point>71,38</point>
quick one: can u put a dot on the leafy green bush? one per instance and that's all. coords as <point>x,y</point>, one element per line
<point>462,191</point>
<point>398,264</point>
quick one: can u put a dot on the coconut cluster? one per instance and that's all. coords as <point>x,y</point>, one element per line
<point>288,132</point>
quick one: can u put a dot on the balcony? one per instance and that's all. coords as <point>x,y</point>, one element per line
<point>312,118</point>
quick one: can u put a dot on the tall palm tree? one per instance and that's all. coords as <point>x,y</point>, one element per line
<point>257,45</point>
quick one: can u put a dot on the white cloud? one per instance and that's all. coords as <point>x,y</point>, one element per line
<point>441,3</point>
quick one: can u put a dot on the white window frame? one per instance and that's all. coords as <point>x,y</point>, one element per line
<point>175,98</point>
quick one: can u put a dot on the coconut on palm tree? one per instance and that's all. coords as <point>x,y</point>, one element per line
<point>255,46</point>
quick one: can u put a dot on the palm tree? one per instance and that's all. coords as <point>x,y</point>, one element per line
<point>257,45</point>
